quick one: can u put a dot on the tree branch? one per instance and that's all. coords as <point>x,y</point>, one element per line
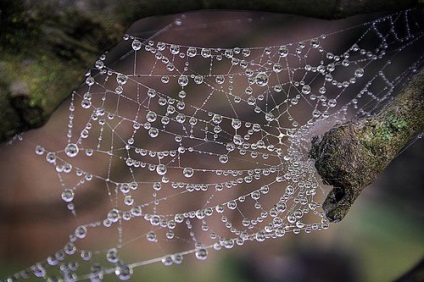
<point>351,156</point>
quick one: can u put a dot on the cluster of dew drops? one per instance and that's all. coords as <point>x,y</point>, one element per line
<point>294,160</point>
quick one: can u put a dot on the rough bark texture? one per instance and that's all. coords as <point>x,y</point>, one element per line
<point>351,156</point>
<point>45,46</point>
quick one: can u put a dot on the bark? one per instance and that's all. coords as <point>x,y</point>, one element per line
<point>351,156</point>
<point>46,46</point>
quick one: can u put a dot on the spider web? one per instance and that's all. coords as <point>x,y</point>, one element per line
<point>193,148</point>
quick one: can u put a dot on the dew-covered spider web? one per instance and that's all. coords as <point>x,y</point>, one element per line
<point>191,148</point>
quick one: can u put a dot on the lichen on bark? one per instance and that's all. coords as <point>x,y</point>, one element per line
<point>44,50</point>
<point>351,156</point>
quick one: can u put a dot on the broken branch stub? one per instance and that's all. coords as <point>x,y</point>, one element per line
<point>351,156</point>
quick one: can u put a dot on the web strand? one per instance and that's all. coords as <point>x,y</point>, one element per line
<point>200,148</point>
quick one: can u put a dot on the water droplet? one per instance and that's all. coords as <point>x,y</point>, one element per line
<point>178,21</point>
<point>177,258</point>
<point>306,89</point>
<point>345,63</point>
<point>153,132</point>
<point>161,169</point>
<point>332,103</point>
<point>331,67</point>
<point>112,255</point>
<point>38,270</point>
<point>223,159</point>
<point>261,79</point>
<point>191,52</point>
<point>89,81</point>
<point>198,79</point>
<point>232,205</point>
<point>68,195</point>
<point>70,249</point>
<point>277,67</point>
<point>71,150</point>
<point>164,79</point>
<point>39,150</point>
<point>81,232</point>
<point>201,254</point>
<point>269,117</point>
<point>175,49</point>
<point>121,79</point>
<point>136,45</point>
<point>99,64</point>
<point>217,118</point>
<point>167,260</point>
<point>315,43</point>
<point>123,272</point>
<point>113,215</point>
<point>85,103</point>
<point>206,52</point>
<point>283,51</point>
<point>359,72</point>
<point>151,236</point>
<point>183,80</point>
<point>188,172</point>
<point>245,52</point>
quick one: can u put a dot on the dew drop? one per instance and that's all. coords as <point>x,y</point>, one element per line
<point>71,150</point>
<point>89,81</point>
<point>183,80</point>
<point>123,272</point>
<point>283,51</point>
<point>39,150</point>
<point>198,79</point>
<point>175,49</point>
<point>201,254</point>
<point>85,103</point>
<point>151,236</point>
<point>332,103</point>
<point>261,79</point>
<point>68,195</point>
<point>315,43</point>
<point>177,258</point>
<point>113,215</point>
<point>277,68</point>
<point>223,159</point>
<point>306,89</point>
<point>191,52</point>
<point>161,169</point>
<point>188,172</point>
<point>136,45</point>
<point>86,255</point>
<point>153,132</point>
<point>121,79</point>
<point>81,232</point>
<point>167,260</point>
<point>219,79</point>
<point>112,255</point>
<point>206,52</point>
<point>236,123</point>
<point>359,72</point>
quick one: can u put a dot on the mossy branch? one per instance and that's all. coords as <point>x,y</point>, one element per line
<point>351,156</point>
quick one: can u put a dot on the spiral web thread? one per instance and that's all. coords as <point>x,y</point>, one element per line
<point>198,149</point>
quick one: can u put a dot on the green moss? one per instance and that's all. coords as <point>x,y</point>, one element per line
<point>351,156</point>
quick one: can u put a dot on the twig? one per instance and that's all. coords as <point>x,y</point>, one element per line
<point>351,156</point>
